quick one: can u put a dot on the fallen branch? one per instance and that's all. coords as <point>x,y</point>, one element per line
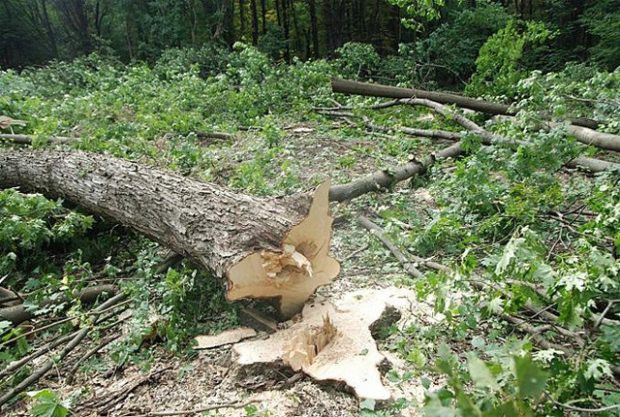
<point>36,375</point>
<point>585,135</point>
<point>482,286</point>
<point>586,410</point>
<point>384,179</point>
<point>103,343</point>
<point>211,407</point>
<point>76,339</point>
<point>19,313</point>
<point>398,254</point>
<point>29,139</point>
<point>378,90</point>
<point>488,138</point>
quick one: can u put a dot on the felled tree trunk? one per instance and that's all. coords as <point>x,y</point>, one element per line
<point>264,248</point>
<point>378,90</point>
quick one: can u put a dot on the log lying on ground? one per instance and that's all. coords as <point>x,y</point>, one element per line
<point>28,139</point>
<point>333,341</point>
<point>379,90</point>
<point>384,179</point>
<point>488,138</point>
<point>19,313</point>
<point>265,248</point>
<point>601,140</point>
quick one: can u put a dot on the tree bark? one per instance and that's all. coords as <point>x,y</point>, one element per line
<point>264,248</point>
<point>254,22</point>
<point>314,28</point>
<point>384,179</point>
<point>378,90</point>
<point>286,26</point>
<point>263,9</point>
<point>241,18</point>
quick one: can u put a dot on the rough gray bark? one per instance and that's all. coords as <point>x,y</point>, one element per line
<point>253,242</point>
<point>384,179</point>
<point>378,90</point>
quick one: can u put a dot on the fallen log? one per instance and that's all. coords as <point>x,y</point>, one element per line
<point>488,138</point>
<point>602,140</point>
<point>28,139</point>
<point>589,136</point>
<point>263,247</point>
<point>20,313</point>
<point>384,179</point>
<point>378,90</point>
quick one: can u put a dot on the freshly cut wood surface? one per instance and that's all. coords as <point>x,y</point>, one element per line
<point>333,341</point>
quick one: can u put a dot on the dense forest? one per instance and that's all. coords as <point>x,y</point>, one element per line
<point>37,31</point>
<point>310,208</point>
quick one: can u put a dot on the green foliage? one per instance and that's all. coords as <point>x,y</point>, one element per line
<point>602,20</point>
<point>357,60</point>
<point>578,90</point>
<point>419,10</point>
<point>32,224</point>
<point>497,65</point>
<point>48,404</point>
<point>448,54</point>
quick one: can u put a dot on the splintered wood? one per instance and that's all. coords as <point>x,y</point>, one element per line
<point>307,344</point>
<point>297,268</point>
<point>333,341</point>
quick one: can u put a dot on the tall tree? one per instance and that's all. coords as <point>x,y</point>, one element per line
<point>285,25</point>
<point>254,22</point>
<point>263,8</point>
<point>314,28</point>
<point>241,18</point>
<point>75,21</point>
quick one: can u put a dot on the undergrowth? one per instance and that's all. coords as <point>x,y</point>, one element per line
<point>511,221</point>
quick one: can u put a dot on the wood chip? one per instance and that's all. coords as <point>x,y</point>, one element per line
<point>225,338</point>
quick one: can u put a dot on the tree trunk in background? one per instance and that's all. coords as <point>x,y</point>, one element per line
<point>229,22</point>
<point>263,7</point>
<point>254,22</point>
<point>48,28</point>
<point>241,19</point>
<point>278,15</point>
<point>73,15</point>
<point>314,29</point>
<point>298,41</point>
<point>328,24</point>
<point>285,25</point>
<point>263,247</point>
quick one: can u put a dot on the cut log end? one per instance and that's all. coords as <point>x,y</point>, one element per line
<point>293,273</point>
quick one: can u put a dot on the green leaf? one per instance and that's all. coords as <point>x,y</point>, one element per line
<point>509,254</point>
<point>48,404</point>
<point>611,334</point>
<point>480,373</point>
<point>531,380</point>
<point>367,404</point>
<point>597,368</point>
